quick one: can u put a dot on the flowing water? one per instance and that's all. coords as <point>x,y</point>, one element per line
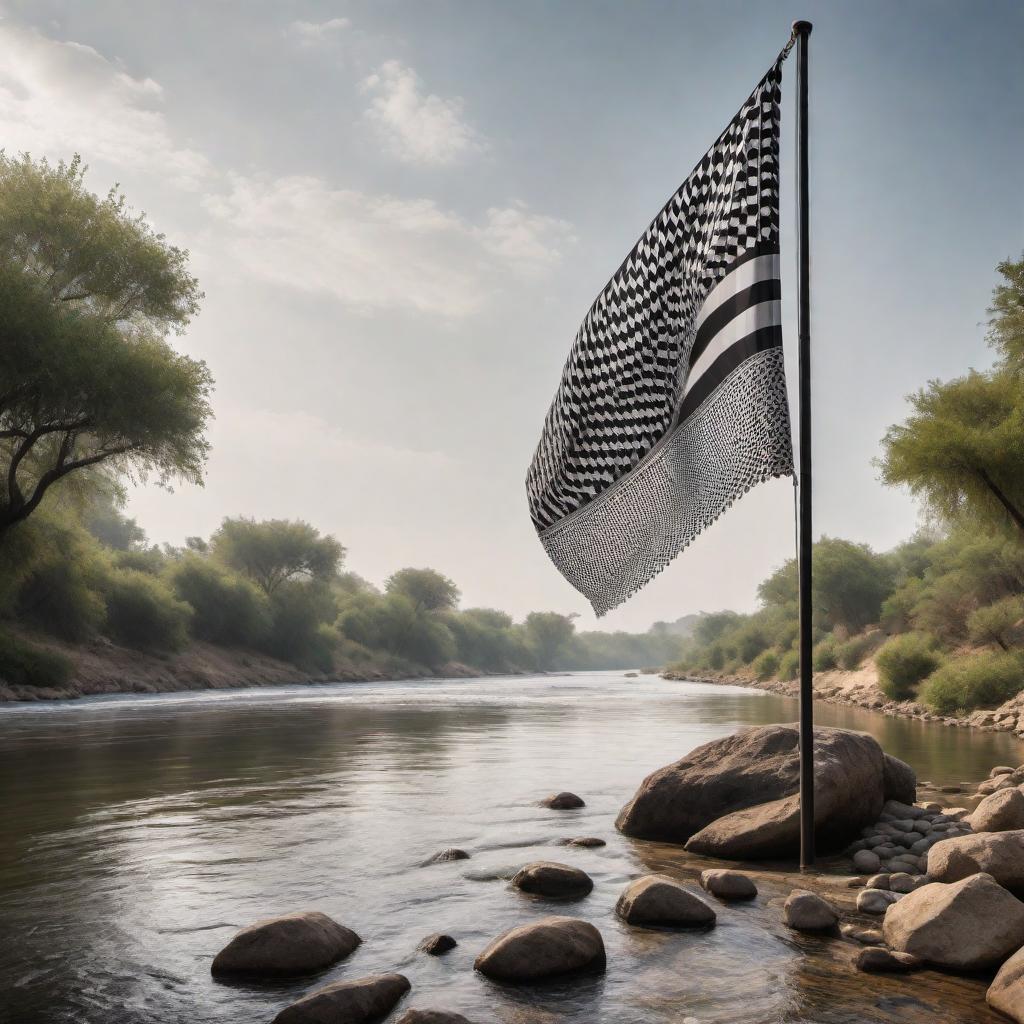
<point>139,832</point>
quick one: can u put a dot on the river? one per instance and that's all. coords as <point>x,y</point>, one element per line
<point>139,832</point>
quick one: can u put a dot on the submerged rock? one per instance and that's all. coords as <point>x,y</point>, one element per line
<point>437,944</point>
<point>1006,993</point>
<point>549,878</point>
<point>432,1017</point>
<point>728,885</point>
<point>879,960</point>
<point>587,842</point>
<point>999,854</point>
<point>563,802</point>
<point>348,1002</point>
<point>966,925</point>
<point>660,900</point>
<point>290,944</point>
<point>542,949</point>
<point>858,933</point>
<point>443,856</point>
<point>808,912</point>
<point>737,797</point>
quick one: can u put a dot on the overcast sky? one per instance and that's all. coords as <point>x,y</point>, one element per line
<point>400,212</point>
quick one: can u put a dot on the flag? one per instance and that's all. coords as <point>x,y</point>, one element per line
<point>672,403</point>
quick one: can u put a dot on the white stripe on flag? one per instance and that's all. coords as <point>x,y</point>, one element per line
<point>760,268</point>
<point>764,314</point>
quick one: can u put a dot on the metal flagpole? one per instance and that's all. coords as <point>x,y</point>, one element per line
<point>802,31</point>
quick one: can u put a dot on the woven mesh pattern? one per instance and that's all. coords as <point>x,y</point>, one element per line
<point>739,437</point>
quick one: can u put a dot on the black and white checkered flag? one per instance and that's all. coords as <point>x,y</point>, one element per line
<point>673,401</point>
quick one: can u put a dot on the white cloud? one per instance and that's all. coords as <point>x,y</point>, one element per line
<point>416,127</point>
<point>316,33</point>
<point>379,252</point>
<point>58,98</point>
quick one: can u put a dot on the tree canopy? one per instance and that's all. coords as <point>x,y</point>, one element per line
<point>275,551</point>
<point>427,589</point>
<point>88,295</point>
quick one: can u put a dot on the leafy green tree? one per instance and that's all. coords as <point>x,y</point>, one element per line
<point>301,617</point>
<point>276,551</point>
<point>962,449</point>
<point>142,612</point>
<point>427,589</point>
<point>548,635</point>
<point>88,295</point>
<point>393,623</point>
<point>229,609</point>
<point>998,623</point>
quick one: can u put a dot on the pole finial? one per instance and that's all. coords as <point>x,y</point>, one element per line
<point>802,28</point>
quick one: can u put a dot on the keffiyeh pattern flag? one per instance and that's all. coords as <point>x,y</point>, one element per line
<point>673,401</point>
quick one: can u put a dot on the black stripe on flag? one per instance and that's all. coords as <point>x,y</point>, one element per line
<point>731,308</point>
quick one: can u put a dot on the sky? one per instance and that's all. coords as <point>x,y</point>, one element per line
<point>400,212</point>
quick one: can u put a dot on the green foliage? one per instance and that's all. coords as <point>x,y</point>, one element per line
<point>426,589</point>
<point>998,623</point>
<point>981,680</point>
<point>789,666</point>
<point>904,662</point>
<point>301,613</point>
<point>276,551</point>
<point>850,584</point>
<point>850,654</point>
<point>824,656</point>
<point>228,608</point>
<point>143,613</point>
<point>898,608</point>
<point>24,664</point>
<point>393,623</point>
<point>548,635</point>
<point>484,638</point>
<point>766,665</point>
<point>88,294</point>
<point>107,523</point>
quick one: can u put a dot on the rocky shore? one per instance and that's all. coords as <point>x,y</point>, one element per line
<point>859,688</point>
<point>903,886</point>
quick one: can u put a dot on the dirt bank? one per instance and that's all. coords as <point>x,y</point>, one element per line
<point>860,688</point>
<point>103,667</point>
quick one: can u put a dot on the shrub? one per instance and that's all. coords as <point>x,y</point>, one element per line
<point>974,681</point>
<point>789,666</point>
<point>300,614</point>
<point>849,655</point>
<point>24,664</point>
<point>904,662</point>
<point>143,613</point>
<point>766,665</point>
<point>824,657</point>
<point>228,608</point>
<point>998,623</point>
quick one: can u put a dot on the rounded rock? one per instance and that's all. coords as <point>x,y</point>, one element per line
<point>432,1017</point>
<point>867,861</point>
<point>878,881</point>
<point>563,802</point>
<point>543,949</point>
<point>662,901</point>
<point>728,885</point>
<point>437,944</point>
<point>444,856</point>
<point>875,901</point>
<point>586,842</point>
<point>290,944</point>
<point>348,1002</point>
<point>901,882</point>
<point>549,878</point>
<point>807,912</point>
<point>879,960</point>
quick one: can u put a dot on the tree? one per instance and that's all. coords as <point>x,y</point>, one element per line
<point>426,589</point>
<point>998,623</point>
<point>548,635</point>
<point>88,295</point>
<point>275,551</point>
<point>962,449</point>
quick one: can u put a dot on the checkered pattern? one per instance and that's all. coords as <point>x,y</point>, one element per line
<point>620,397</point>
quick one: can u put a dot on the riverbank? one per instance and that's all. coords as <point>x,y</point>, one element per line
<point>102,667</point>
<point>859,688</point>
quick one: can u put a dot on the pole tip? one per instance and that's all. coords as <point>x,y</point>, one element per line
<point>802,28</point>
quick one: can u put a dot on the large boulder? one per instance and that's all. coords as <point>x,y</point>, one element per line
<point>751,779</point>
<point>348,1002</point>
<point>967,925</point>
<point>999,854</point>
<point>549,878</point>
<point>660,900</point>
<point>1006,993</point>
<point>1000,812</point>
<point>542,949</point>
<point>290,944</point>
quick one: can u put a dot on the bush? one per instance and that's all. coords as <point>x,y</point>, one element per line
<point>998,623</point>
<point>143,613</point>
<point>395,624</point>
<point>824,657</point>
<point>789,666</point>
<point>300,614</point>
<point>904,662</point>
<point>850,654</point>
<point>228,608</point>
<point>766,665</point>
<point>974,681</point>
<point>23,664</point>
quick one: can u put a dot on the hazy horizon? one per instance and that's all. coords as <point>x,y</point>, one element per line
<point>400,212</point>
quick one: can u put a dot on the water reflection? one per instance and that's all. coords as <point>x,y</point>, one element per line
<point>138,832</point>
